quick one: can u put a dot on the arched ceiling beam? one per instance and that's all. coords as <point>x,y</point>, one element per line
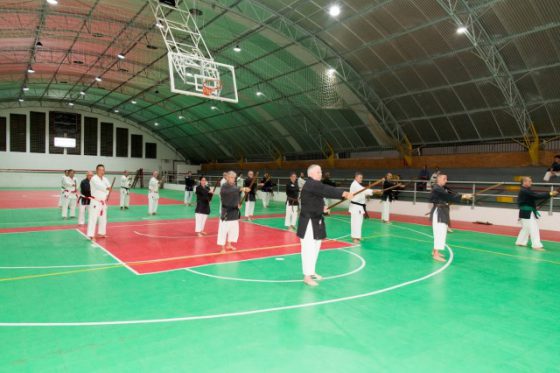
<point>464,16</point>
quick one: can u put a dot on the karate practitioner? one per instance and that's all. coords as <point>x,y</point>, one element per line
<point>228,230</point>
<point>97,213</point>
<point>153,193</point>
<point>202,210</point>
<point>69,195</point>
<point>357,207</point>
<point>292,203</point>
<point>126,181</point>
<point>311,227</point>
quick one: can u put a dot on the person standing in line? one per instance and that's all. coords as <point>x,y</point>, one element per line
<point>228,229</point>
<point>528,214</point>
<point>292,203</point>
<point>189,188</point>
<point>357,207</point>
<point>69,195</point>
<point>126,181</point>
<point>84,199</point>
<point>97,213</point>
<point>202,210</point>
<point>311,226</point>
<point>153,193</point>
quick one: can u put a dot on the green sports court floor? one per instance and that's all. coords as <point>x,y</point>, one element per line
<point>70,306</point>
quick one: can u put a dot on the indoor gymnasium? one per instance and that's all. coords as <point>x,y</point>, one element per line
<point>279,186</point>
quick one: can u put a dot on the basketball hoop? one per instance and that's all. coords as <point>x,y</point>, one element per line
<point>208,90</point>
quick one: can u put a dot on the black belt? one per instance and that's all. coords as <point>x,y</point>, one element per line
<point>364,207</point>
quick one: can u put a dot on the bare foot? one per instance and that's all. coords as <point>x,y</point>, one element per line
<point>317,277</point>
<point>204,233</point>
<point>518,244</point>
<point>539,248</point>
<point>356,240</point>
<point>232,248</point>
<point>309,281</point>
<point>199,234</point>
<point>449,230</point>
<point>437,256</point>
<point>223,251</point>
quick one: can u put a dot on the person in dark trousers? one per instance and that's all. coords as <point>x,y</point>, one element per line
<point>189,188</point>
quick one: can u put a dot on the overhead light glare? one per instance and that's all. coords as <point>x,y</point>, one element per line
<point>121,56</point>
<point>334,10</point>
<point>213,108</point>
<point>159,24</point>
<point>21,99</point>
<point>237,48</point>
<point>181,117</point>
<point>156,124</point>
<point>25,89</point>
<point>116,110</point>
<point>462,30</point>
<point>30,70</point>
<point>82,93</point>
<point>98,79</point>
<point>259,93</point>
<point>52,2</point>
<point>133,102</point>
<point>70,104</point>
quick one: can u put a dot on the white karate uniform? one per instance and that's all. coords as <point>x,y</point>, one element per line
<point>310,248</point>
<point>153,195</point>
<point>529,229</point>
<point>82,214</point>
<point>266,198</point>
<point>440,232</point>
<point>385,210</point>
<point>98,208</point>
<point>69,196</point>
<point>200,222</point>
<point>188,197</point>
<point>228,231</point>
<point>61,191</point>
<point>292,213</point>
<point>357,212</point>
<point>249,208</point>
<point>124,192</point>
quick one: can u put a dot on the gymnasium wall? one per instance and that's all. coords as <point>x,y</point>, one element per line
<point>42,169</point>
<point>447,161</point>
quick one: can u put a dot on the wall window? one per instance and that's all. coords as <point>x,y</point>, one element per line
<point>151,150</point>
<point>106,139</point>
<point>18,133</point>
<point>90,136</point>
<point>122,142</point>
<point>37,132</point>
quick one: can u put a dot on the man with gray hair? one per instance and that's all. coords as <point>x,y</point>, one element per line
<point>311,227</point>
<point>228,229</point>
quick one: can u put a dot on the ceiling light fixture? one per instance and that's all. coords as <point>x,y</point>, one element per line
<point>21,99</point>
<point>121,56</point>
<point>116,110</point>
<point>38,44</point>
<point>462,30</point>
<point>237,48</point>
<point>30,70</point>
<point>156,124</point>
<point>82,93</point>
<point>181,117</point>
<point>25,89</point>
<point>133,102</point>
<point>159,24</point>
<point>98,79</point>
<point>213,108</point>
<point>52,2</point>
<point>259,93</point>
<point>70,104</point>
<point>334,10</point>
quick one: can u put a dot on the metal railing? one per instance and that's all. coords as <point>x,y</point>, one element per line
<point>416,191</point>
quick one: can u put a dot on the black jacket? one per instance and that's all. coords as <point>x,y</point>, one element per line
<point>253,192</point>
<point>292,193</point>
<point>230,202</point>
<point>527,201</point>
<point>312,205</point>
<point>203,198</point>
<point>268,185</point>
<point>85,191</point>
<point>189,184</point>
<point>441,198</point>
<point>388,195</point>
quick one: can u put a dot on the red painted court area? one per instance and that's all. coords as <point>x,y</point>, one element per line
<point>20,199</point>
<point>168,246</point>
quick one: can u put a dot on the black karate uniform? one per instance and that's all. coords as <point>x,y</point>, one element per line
<point>312,205</point>
<point>189,184</point>
<point>527,202</point>
<point>292,193</point>
<point>203,198</point>
<point>441,198</point>
<point>230,202</point>
<point>388,195</point>
<point>85,191</point>
<point>252,194</point>
<point>268,185</point>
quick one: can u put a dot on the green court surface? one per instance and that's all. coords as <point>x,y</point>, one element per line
<point>68,306</point>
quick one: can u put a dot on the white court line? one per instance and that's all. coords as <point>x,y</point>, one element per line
<point>362,265</point>
<point>61,266</point>
<point>240,313</point>
<point>108,252</point>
